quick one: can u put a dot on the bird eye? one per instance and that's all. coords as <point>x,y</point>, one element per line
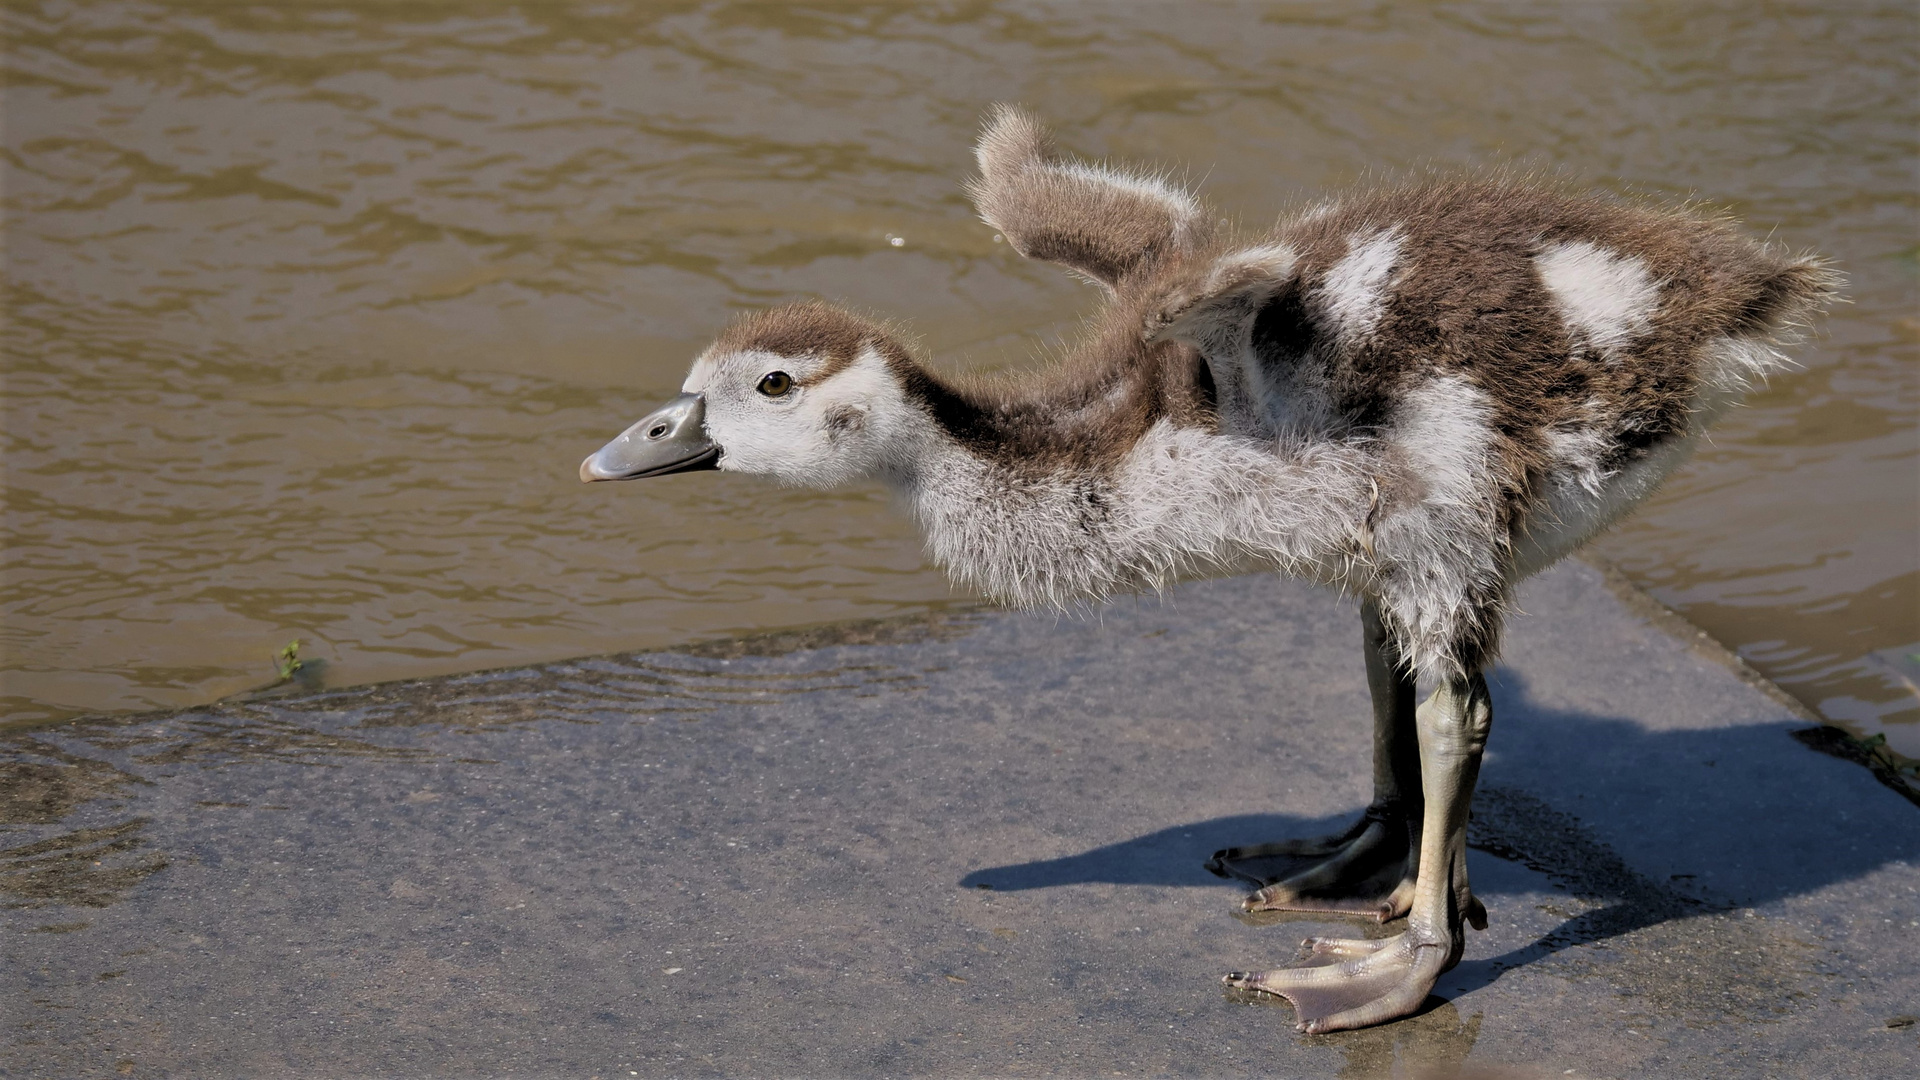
<point>776,383</point>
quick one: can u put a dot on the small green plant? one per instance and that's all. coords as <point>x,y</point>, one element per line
<point>287,660</point>
<point>1876,747</point>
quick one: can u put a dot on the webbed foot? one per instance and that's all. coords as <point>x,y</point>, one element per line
<point>1369,870</point>
<point>1342,984</point>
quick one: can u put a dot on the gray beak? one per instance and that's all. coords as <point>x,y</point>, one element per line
<point>671,439</point>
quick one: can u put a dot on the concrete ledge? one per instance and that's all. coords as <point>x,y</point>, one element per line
<point>970,844</point>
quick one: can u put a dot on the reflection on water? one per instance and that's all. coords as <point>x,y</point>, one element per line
<point>310,312</point>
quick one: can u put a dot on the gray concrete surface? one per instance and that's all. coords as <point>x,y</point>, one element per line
<point>963,845</point>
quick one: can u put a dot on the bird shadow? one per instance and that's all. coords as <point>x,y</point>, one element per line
<point>1641,826</point>
<point>1170,856</point>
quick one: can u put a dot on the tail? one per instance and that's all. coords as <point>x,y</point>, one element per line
<point>1778,313</point>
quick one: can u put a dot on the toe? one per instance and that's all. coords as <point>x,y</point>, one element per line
<point>1354,947</point>
<point>1476,913</point>
<point>1349,983</point>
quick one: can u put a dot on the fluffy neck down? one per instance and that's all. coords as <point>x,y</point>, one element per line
<point>1177,502</point>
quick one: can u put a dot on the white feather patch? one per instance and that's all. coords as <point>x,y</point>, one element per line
<point>1178,202</point>
<point>1606,299</point>
<point>1355,292</point>
<point>1439,552</point>
<point>1273,262</point>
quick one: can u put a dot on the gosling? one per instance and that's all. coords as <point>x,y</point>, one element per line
<point>1418,394</point>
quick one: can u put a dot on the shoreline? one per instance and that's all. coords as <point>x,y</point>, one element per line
<point>1823,736</point>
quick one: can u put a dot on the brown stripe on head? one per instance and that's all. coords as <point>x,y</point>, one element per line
<point>832,335</point>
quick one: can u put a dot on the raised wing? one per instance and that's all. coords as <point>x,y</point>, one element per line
<point>1102,223</point>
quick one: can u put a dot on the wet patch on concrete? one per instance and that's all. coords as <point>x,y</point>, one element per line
<point>681,685</point>
<point>1650,939</point>
<point>1436,1042</point>
<point>953,622</point>
<point>83,868</point>
<point>41,784</point>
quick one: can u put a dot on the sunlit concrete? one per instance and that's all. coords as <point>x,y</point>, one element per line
<point>970,844</point>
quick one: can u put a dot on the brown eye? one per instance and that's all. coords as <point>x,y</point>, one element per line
<point>776,383</point>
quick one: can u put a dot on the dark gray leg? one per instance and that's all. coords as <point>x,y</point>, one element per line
<point>1345,984</point>
<point>1396,741</point>
<point>1370,868</point>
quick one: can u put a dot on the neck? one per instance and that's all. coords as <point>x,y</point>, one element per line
<point>1020,500</point>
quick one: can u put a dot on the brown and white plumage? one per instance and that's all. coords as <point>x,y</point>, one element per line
<point>1417,393</point>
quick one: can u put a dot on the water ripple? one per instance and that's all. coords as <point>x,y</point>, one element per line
<point>310,311</point>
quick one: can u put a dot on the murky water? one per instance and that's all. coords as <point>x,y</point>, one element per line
<point>312,312</point>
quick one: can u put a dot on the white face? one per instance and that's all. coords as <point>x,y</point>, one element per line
<point>780,416</point>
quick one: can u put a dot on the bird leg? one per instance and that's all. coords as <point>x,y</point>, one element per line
<point>1370,868</point>
<point>1341,984</point>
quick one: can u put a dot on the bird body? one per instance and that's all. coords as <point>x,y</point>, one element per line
<point>1422,394</point>
<point>1419,394</point>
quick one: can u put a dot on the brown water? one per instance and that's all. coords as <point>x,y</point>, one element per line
<point>312,310</point>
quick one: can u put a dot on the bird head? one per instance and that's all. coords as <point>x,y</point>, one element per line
<point>808,394</point>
